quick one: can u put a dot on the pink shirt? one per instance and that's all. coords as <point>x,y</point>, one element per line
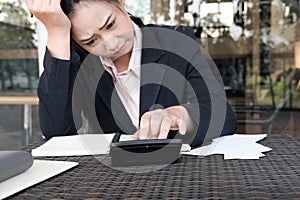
<point>127,83</point>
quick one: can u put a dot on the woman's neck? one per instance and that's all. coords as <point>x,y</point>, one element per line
<point>122,62</point>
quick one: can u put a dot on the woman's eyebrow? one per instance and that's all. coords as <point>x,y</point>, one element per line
<point>106,22</point>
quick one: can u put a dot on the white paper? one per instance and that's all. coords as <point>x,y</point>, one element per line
<point>237,146</point>
<point>76,145</point>
<point>38,172</point>
<point>125,137</point>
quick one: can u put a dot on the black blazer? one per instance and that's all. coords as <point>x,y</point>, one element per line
<point>173,72</point>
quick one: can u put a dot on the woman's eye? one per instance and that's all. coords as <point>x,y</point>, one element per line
<point>91,42</point>
<point>110,25</point>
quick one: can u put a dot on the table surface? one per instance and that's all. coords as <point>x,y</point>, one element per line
<point>275,176</point>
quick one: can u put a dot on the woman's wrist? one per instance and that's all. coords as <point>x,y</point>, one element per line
<point>59,44</point>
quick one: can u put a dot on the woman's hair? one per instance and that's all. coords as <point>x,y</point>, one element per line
<point>69,5</point>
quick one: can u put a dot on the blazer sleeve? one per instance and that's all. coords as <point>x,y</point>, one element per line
<point>207,105</point>
<point>55,95</point>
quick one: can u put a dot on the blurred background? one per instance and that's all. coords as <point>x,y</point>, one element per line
<point>254,43</point>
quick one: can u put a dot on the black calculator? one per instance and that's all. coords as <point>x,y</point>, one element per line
<point>144,152</point>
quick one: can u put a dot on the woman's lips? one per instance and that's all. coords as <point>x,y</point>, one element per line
<point>120,50</point>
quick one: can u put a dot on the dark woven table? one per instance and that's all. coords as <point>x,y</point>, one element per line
<point>275,176</point>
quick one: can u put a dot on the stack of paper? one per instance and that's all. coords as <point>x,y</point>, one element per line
<point>235,146</point>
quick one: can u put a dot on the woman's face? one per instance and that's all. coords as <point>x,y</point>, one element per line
<point>103,29</point>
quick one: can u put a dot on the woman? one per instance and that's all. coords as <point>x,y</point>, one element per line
<point>135,92</point>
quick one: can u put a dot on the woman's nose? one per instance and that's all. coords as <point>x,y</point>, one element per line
<point>111,43</point>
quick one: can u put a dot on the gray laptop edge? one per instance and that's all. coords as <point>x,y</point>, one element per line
<point>13,163</point>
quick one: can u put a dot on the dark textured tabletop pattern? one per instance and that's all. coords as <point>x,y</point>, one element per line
<point>275,176</point>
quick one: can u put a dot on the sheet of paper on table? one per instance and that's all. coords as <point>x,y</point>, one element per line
<point>75,145</point>
<point>237,146</point>
<point>80,145</point>
<point>38,172</point>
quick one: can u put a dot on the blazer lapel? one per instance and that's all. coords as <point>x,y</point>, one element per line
<point>151,79</point>
<point>105,89</point>
<point>152,74</point>
<point>99,81</point>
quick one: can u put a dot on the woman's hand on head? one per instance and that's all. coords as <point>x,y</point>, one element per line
<point>49,13</point>
<point>57,24</point>
<point>156,124</point>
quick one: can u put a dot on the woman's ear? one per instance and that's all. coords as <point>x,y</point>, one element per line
<point>122,2</point>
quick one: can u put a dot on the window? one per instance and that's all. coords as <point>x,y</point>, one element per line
<point>18,50</point>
